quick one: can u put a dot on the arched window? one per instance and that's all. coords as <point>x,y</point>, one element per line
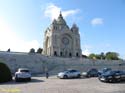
<point>77,54</point>
<point>61,53</point>
<point>70,55</point>
<point>55,53</point>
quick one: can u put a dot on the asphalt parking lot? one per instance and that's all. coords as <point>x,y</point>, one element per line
<point>54,85</point>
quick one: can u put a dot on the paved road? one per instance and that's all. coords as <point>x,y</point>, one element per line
<point>55,85</point>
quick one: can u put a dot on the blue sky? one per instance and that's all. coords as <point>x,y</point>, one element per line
<point>101,23</point>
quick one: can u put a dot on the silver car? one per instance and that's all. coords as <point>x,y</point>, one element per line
<point>23,74</point>
<point>69,74</point>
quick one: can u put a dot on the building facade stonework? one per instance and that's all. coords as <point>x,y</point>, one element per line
<point>60,40</point>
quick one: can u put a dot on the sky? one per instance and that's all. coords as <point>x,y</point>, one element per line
<point>101,23</point>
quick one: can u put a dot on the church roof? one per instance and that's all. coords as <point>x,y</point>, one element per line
<point>54,21</point>
<point>60,20</point>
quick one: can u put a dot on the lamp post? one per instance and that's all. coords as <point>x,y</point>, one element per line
<point>94,59</point>
<point>45,67</point>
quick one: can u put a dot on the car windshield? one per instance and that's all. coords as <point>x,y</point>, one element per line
<point>95,70</point>
<point>105,69</point>
<point>24,70</point>
<point>110,72</point>
<point>70,71</point>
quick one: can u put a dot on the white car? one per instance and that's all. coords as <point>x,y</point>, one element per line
<point>23,74</point>
<point>69,74</point>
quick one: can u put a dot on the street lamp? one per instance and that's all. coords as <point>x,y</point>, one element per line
<point>94,59</point>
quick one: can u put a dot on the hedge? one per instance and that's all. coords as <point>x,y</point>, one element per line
<point>5,73</point>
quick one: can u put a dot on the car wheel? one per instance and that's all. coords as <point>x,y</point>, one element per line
<point>16,79</point>
<point>118,80</point>
<point>88,76</point>
<point>65,76</point>
<point>78,76</point>
<point>99,78</point>
<point>29,79</point>
<point>113,81</point>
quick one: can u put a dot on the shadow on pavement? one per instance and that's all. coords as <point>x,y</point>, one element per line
<point>121,82</point>
<point>36,80</point>
<point>13,82</point>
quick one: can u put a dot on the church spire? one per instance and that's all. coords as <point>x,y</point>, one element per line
<point>60,19</point>
<point>60,15</point>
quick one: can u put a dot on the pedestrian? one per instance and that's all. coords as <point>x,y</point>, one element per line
<point>47,75</point>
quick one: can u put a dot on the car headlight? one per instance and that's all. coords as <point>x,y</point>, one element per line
<point>84,73</point>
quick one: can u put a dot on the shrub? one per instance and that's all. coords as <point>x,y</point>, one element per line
<point>32,50</point>
<point>5,74</point>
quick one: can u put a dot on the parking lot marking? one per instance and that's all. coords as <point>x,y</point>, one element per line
<point>10,90</point>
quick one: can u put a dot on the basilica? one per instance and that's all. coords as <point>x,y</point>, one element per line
<point>60,40</point>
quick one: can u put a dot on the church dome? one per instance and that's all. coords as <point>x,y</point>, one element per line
<point>60,20</point>
<point>74,28</point>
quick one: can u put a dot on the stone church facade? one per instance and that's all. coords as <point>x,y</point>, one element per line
<point>60,40</point>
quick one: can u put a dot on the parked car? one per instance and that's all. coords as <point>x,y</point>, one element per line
<point>69,74</point>
<point>90,73</point>
<point>112,76</point>
<point>104,70</point>
<point>23,74</point>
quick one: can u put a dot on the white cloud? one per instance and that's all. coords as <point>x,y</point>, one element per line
<point>52,11</point>
<point>9,39</point>
<point>97,21</point>
<point>69,12</point>
<point>86,50</point>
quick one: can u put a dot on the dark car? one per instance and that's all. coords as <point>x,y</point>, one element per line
<point>104,70</point>
<point>112,76</point>
<point>90,73</point>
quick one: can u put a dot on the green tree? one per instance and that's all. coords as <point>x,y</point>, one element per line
<point>102,55</point>
<point>8,50</point>
<point>5,73</point>
<point>98,56</point>
<point>32,50</point>
<point>112,56</point>
<point>39,50</point>
<point>91,56</point>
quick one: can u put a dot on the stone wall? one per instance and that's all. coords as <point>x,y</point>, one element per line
<point>38,63</point>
